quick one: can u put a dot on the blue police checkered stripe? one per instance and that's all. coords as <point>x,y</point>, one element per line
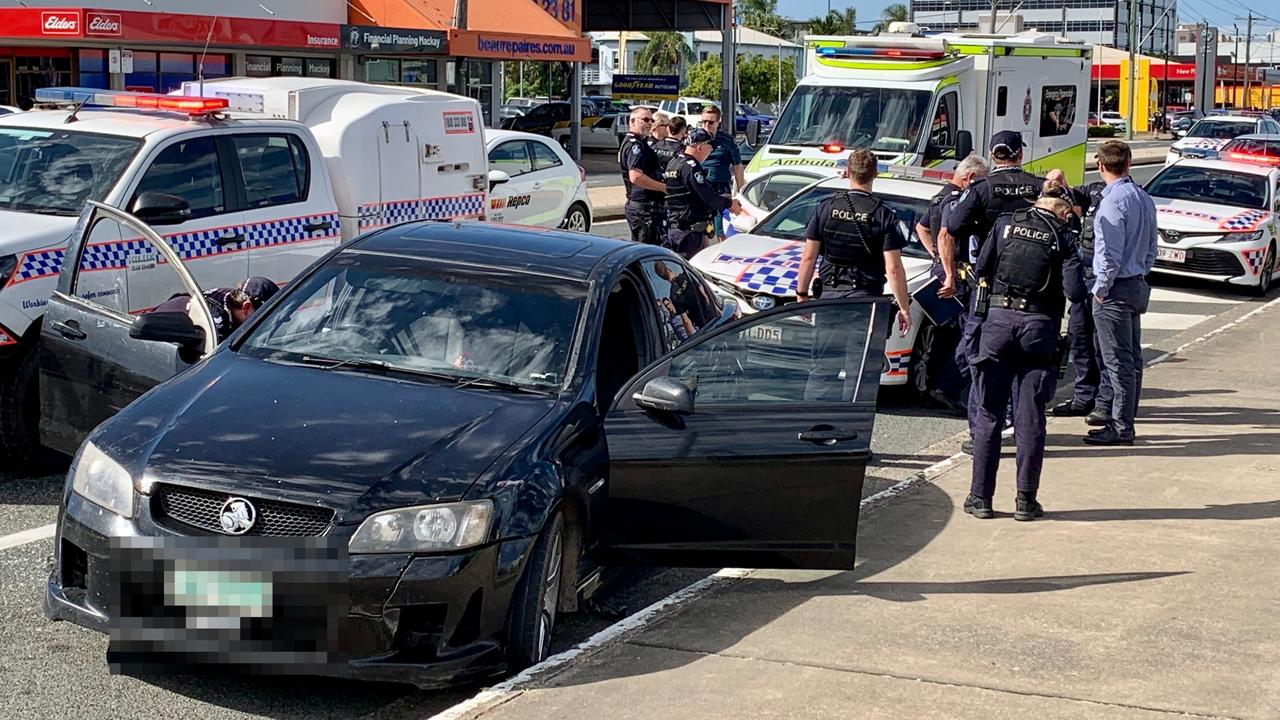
<point>40,264</point>
<point>898,363</point>
<point>401,211</point>
<point>774,272</point>
<point>1244,221</point>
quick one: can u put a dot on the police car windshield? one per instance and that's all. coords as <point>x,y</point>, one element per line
<point>53,172</point>
<point>882,119</point>
<point>1221,129</point>
<point>424,318</point>
<point>1212,186</point>
<point>791,219</point>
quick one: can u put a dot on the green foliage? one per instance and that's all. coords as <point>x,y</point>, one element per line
<point>664,54</point>
<point>758,78</point>
<point>896,12</point>
<point>535,80</point>
<point>704,79</point>
<point>835,23</point>
<point>761,15</point>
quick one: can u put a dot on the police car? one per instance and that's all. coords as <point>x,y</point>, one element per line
<point>1217,220</point>
<point>534,182</point>
<point>244,176</point>
<point>759,265</point>
<point>1209,134</point>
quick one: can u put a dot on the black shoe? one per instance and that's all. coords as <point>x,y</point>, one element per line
<point>1097,418</point>
<point>966,447</point>
<point>1108,436</point>
<point>1071,409</point>
<point>1028,509</point>
<point>979,507</point>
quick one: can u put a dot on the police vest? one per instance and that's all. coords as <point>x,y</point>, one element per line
<point>666,149</point>
<point>1030,261</point>
<point>625,147</point>
<point>847,230</point>
<point>1086,230</point>
<point>1010,191</point>
<point>684,208</point>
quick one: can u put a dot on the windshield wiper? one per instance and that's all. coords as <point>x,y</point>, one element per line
<point>491,383</point>
<point>365,364</point>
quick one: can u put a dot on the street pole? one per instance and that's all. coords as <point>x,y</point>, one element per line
<point>1133,70</point>
<point>1235,63</point>
<point>1064,19</point>
<point>1168,53</point>
<point>1102,14</point>
<point>1248,43</point>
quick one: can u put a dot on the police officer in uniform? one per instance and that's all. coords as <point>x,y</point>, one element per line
<point>1021,266</point>
<point>1077,271</point>
<point>642,176</point>
<point>855,243</point>
<point>691,199</point>
<point>673,143</point>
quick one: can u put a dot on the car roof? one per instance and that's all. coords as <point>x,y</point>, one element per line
<point>1230,118</point>
<point>1268,137</point>
<point>543,251</point>
<point>112,121</point>
<point>493,136</point>
<point>919,189</point>
<point>1241,167</point>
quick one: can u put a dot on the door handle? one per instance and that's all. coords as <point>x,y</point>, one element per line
<point>317,226</point>
<point>70,330</point>
<point>537,185</point>
<point>231,238</point>
<point>827,435</point>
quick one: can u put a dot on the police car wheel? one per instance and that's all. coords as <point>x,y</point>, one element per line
<point>565,142</point>
<point>535,604</point>
<point>20,413</point>
<point>1268,270</point>
<point>576,219</point>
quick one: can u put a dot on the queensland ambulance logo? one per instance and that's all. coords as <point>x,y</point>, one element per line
<point>459,123</point>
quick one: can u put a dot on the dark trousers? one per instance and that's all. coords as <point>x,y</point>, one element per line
<point>686,242</point>
<point>645,220</point>
<point>951,370</point>
<point>1084,358</point>
<point>1118,319</point>
<point>836,349</point>
<point>1016,355</point>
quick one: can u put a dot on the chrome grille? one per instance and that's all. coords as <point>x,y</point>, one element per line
<point>183,509</point>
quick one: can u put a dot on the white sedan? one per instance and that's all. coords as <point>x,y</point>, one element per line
<point>1209,134</point>
<point>1217,221</point>
<point>758,266</point>
<point>533,181</point>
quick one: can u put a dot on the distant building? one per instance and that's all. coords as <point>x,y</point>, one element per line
<point>1103,22</point>
<point>598,77</point>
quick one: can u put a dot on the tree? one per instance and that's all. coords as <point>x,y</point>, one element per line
<point>665,53</point>
<point>761,15</point>
<point>896,12</point>
<point>535,80</point>
<point>704,79</point>
<point>835,23</point>
<point>758,78</point>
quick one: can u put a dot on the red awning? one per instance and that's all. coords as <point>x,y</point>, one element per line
<point>165,28</point>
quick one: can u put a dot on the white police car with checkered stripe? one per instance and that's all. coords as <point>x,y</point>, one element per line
<point>1209,134</point>
<point>242,176</point>
<point>758,264</point>
<point>1217,220</point>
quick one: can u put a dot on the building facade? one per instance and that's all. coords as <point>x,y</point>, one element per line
<point>1103,22</point>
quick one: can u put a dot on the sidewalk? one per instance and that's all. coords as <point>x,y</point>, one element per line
<point>607,202</point>
<point>1151,589</point>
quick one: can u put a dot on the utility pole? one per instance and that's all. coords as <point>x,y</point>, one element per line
<point>1248,43</point>
<point>1064,19</point>
<point>1168,55</point>
<point>1133,70</point>
<point>1235,63</point>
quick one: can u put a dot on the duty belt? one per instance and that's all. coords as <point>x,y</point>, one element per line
<point>1010,302</point>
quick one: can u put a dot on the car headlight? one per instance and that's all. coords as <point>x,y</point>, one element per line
<point>451,526</point>
<point>102,481</point>
<point>1239,237</point>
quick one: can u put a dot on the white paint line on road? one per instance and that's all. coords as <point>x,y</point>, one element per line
<point>43,532</point>
<point>1171,321</point>
<point>608,222</point>
<point>1162,294</point>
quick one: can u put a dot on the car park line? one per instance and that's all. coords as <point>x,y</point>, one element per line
<point>1171,321</point>
<point>44,532</point>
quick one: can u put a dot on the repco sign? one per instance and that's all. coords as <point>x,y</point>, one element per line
<point>60,23</point>
<point>97,23</point>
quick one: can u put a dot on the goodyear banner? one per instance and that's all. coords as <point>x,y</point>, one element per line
<point>646,87</point>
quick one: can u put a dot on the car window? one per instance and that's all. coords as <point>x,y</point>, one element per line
<point>540,111</point>
<point>100,280</point>
<point>1057,109</point>
<point>684,302</point>
<point>54,172</point>
<point>544,158</point>
<point>772,190</point>
<point>1246,148</point>
<point>1221,129</point>
<point>942,143</point>
<point>1206,185</point>
<point>275,169</point>
<point>190,170</point>
<point>511,157</point>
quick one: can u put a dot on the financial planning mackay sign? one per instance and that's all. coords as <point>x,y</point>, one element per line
<point>655,87</point>
<point>368,38</point>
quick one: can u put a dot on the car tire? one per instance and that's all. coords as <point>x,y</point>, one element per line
<point>1268,270</point>
<point>564,142</point>
<point>578,218</point>
<point>20,445</point>
<point>536,601</point>
<point>920,369</point>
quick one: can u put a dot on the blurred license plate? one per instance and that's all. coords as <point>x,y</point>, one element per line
<point>764,333</point>
<point>244,594</point>
<point>1171,255</point>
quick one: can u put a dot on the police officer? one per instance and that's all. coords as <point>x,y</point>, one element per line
<point>855,242</point>
<point>673,143</point>
<point>1077,279</point>
<point>691,199</point>
<point>642,176</point>
<point>1017,347</point>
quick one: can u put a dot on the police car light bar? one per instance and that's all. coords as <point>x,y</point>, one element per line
<point>93,97</point>
<point>912,172</point>
<point>894,53</point>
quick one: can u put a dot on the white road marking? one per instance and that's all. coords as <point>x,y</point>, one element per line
<point>1161,294</point>
<point>608,222</point>
<point>1211,333</point>
<point>1171,321</point>
<point>43,532</point>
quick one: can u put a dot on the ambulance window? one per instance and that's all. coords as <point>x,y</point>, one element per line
<point>942,142</point>
<point>274,168</point>
<point>190,170</point>
<point>511,158</point>
<point>1057,109</point>
<point>544,158</point>
<point>1002,101</point>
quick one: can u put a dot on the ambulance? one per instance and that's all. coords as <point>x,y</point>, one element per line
<point>927,101</point>
<point>241,176</point>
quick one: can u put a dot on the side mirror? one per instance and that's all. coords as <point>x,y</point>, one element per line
<point>666,395</point>
<point>753,133</point>
<point>170,327</point>
<point>743,222</point>
<point>155,208</point>
<point>964,144</point>
<point>497,177</point>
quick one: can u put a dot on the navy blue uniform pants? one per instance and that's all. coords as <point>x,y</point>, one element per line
<point>686,243</point>
<point>833,354</point>
<point>1118,319</point>
<point>951,374</point>
<point>645,221</point>
<point>1016,354</point>
<point>1084,358</point>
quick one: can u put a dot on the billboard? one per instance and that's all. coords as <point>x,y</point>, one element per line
<point>646,87</point>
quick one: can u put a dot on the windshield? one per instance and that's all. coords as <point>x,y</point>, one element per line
<point>53,172</point>
<point>856,117</point>
<point>1206,185</point>
<point>790,220</point>
<point>418,316</point>
<point>1221,130</point>
<point>1255,147</point>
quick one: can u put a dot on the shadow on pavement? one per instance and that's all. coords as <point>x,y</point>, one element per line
<point>1263,510</point>
<point>1259,443</point>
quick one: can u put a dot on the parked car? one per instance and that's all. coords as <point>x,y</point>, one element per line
<point>601,134</point>
<point>1114,119</point>
<point>547,117</point>
<point>430,444</point>
<point>690,107</point>
<point>1258,149</point>
<point>1093,119</point>
<point>533,181</point>
<point>1183,120</point>
<point>745,114</point>
<point>1209,134</point>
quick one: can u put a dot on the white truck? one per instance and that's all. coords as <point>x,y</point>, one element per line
<point>928,100</point>
<point>242,176</point>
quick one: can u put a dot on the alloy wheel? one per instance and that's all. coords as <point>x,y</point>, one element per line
<point>550,594</point>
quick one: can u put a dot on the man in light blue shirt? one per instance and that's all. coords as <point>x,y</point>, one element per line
<point>1124,252</point>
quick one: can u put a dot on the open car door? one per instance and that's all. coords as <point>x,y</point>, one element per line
<point>115,271</point>
<point>747,447</point>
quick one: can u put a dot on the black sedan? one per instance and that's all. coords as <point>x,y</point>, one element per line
<point>407,463</point>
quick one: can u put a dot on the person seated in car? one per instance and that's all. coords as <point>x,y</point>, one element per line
<point>230,307</point>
